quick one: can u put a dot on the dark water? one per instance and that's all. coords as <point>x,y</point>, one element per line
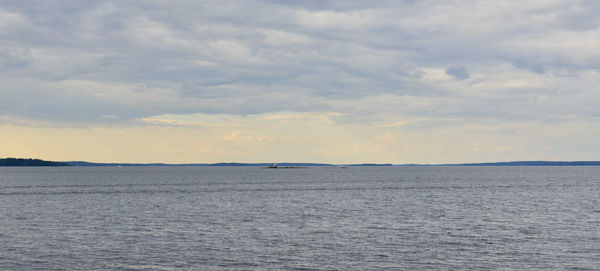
<point>246,218</point>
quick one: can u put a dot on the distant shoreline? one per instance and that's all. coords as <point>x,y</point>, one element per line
<point>20,162</point>
<point>28,162</point>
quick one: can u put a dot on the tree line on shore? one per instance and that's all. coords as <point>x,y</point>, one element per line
<point>29,162</point>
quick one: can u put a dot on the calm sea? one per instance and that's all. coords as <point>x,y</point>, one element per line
<point>317,218</point>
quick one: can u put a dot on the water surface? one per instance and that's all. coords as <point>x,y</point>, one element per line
<point>316,218</point>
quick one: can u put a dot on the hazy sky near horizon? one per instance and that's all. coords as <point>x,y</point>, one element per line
<point>300,81</point>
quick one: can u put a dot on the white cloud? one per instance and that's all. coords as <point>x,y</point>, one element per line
<point>10,20</point>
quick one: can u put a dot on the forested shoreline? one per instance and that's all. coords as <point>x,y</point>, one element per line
<point>29,162</point>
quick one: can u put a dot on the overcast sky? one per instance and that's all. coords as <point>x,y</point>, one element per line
<point>319,81</point>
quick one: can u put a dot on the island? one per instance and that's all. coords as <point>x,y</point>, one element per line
<point>20,162</point>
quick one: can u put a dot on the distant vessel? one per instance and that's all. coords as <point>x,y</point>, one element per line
<point>277,166</point>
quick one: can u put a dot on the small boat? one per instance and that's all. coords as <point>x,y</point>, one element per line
<point>273,166</point>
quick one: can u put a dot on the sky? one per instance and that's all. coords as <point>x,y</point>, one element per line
<point>347,81</point>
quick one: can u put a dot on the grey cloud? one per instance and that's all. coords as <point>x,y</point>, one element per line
<point>460,72</point>
<point>583,16</point>
<point>15,58</point>
<point>256,57</point>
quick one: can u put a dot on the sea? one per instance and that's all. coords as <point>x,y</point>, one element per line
<point>313,218</point>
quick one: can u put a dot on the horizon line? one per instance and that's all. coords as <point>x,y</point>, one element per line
<point>515,163</point>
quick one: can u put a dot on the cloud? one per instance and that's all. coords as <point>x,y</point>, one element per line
<point>460,72</point>
<point>74,62</point>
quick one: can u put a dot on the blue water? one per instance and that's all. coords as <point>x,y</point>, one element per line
<point>317,218</point>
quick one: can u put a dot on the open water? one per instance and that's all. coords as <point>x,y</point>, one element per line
<point>316,218</point>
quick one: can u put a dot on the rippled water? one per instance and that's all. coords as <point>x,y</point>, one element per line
<point>321,218</point>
